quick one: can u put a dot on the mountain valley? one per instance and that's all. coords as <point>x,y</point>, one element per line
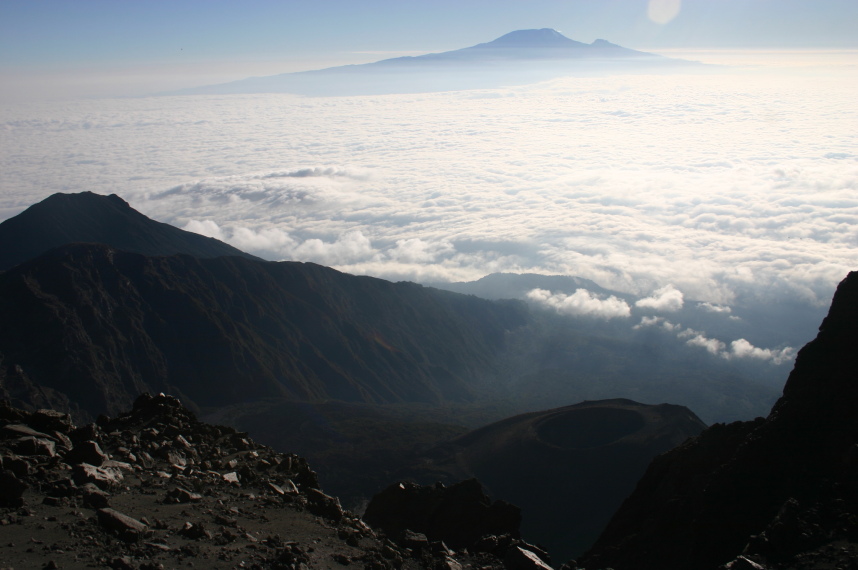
<point>374,382</point>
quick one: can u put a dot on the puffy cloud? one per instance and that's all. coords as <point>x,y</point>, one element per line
<point>743,349</point>
<point>657,321</point>
<point>348,248</point>
<point>582,303</point>
<point>738,349</point>
<point>667,299</point>
<point>416,250</point>
<point>648,322</point>
<point>715,308</point>
<point>273,241</point>
<point>696,338</point>
<point>205,227</point>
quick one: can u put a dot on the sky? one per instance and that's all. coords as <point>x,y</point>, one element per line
<point>118,48</point>
<point>735,185</point>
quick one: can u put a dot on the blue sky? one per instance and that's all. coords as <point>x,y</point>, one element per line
<point>58,33</point>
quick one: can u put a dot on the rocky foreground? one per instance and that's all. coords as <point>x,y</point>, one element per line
<point>155,488</point>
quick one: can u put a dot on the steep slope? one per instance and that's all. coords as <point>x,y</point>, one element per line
<point>99,326</point>
<point>86,217</point>
<point>783,490</point>
<point>568,468</point>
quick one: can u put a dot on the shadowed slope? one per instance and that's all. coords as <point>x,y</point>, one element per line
<point>568,468</point>
<point>100,326</point>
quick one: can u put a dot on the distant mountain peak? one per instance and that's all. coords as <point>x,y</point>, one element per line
<point>504,61</point>
<point>541,38</point>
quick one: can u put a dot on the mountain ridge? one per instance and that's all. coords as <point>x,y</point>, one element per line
<point>226,329</point>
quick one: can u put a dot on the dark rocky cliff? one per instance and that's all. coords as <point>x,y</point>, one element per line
<point>780,492</point>
<point>97,326</point>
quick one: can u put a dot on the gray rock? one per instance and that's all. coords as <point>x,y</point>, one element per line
<point>21,430</point>
<point>102,478</point>
<point>11,489</point>
<point>128,528</point>
<point>86,452</point>
<point>518,558</point>
<point>743,563</point>
<point>94,497</point>
<point>30,445</point>
<point>16,465</point>
<point>51,420</point>
<point>179,495</point>
<point>324,505</point>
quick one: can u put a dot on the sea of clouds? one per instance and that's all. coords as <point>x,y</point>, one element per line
<point>725,187</point>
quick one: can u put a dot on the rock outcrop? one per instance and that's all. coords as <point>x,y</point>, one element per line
<point>779,492</point>
<point>458,515</point>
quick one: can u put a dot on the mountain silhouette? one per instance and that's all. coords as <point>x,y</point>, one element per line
<point>231,329</point>
<point>92,218</point>
<point>567,468</point>
<point>519,57</point>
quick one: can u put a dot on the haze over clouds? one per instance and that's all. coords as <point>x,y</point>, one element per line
<point>714,187</point>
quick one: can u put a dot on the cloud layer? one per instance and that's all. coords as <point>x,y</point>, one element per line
<point>719,188</point>
<point>582,303</point>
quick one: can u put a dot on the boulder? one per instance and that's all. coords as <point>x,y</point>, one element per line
<point>459,515</point>
<point>11,489</point>
<point>324,505</point>
<point>35,446</point>
<point>129,529</point>
<point>100,477</point>
<point>51,420</point>
<point>86,452</point>
<point>518,558</point>
<point>93,497</point>
<point>179,495</point>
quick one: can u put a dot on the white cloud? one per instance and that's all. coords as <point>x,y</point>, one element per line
<point>722,203</point>
<point>715,308</point>
<point>667,299</point>
<point>648,322</point>
<point>204,227</point>
<point>743,349</point>
<point>273,241</point>
<point>582,303</point>
<point>738,349</point>
<point>350,247</point>
<point>415,250</point>
<point>696,338</point>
